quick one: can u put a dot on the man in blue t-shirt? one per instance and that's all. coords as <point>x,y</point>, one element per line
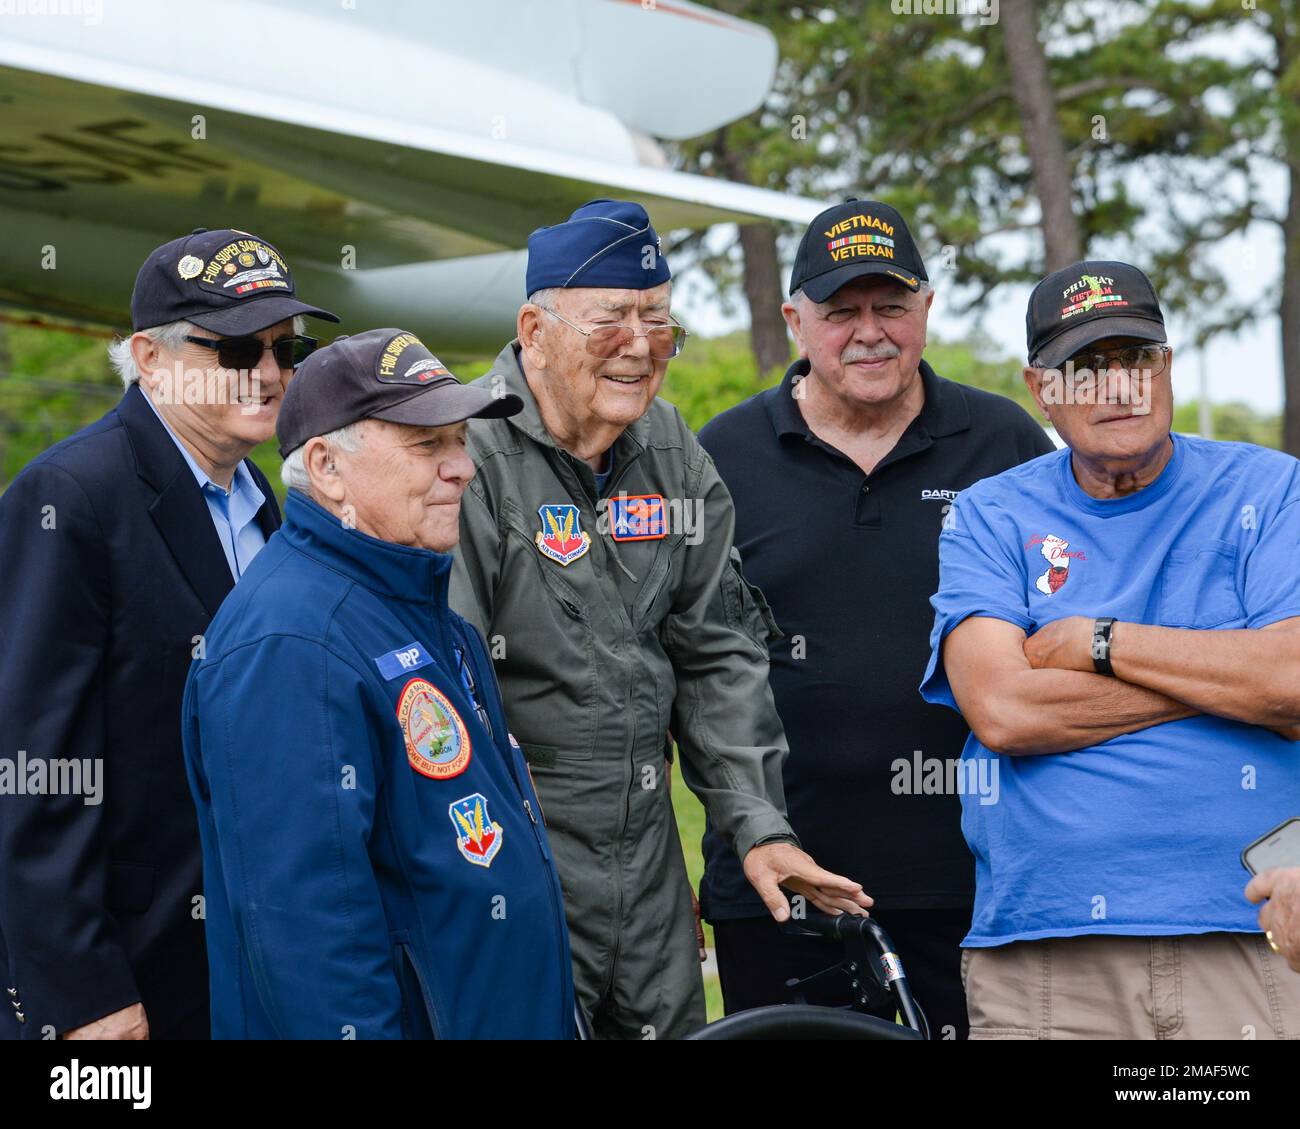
<point>1119,623</point>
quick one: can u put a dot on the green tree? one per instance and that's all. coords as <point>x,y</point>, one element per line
<point>1162,131</point>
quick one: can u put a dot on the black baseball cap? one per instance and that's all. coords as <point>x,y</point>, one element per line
<point>852,239</point>
<point>228,281</point>
<point>380,374</point>
<point>1086,302</point>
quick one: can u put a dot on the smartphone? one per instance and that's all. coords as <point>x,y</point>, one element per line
<point>1279,847</point>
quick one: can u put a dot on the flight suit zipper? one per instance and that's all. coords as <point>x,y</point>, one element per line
<point>630,748</point>
<point>567,472</point>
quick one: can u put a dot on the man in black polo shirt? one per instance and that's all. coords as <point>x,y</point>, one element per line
<point>842,476</point>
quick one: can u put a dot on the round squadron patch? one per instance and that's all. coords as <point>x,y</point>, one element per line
<point>437,742</point>
<point>189,267</point>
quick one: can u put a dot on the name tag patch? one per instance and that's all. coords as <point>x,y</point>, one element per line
<point>637,517</point>
<point>403,660</point>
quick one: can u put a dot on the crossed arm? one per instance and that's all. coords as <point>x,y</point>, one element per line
<point>1039,694</point>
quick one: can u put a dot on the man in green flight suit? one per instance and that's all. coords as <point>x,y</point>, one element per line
<point>596,556</point>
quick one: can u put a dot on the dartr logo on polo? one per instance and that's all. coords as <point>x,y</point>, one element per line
<point>1057,554</point>
<point>478,838</point>
<point>561,537</point>
<point>437,742</point>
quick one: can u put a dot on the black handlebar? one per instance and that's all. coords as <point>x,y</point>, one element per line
<point>854,932</point>
<point>802,1021</point>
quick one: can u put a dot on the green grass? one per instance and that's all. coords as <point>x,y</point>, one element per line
<point>690,826</point>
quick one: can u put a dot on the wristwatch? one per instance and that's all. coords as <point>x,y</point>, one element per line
<point>1101,630</point>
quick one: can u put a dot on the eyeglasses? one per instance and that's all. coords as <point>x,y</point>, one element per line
<point>1149,360</point>
<point>606,341</point>
<point>245,352</point>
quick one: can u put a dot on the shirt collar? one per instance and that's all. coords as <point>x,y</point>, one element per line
<point>392,571</point>
<point>944,412</point>
<point>241,483</point>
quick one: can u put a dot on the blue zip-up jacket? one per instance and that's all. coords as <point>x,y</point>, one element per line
<point>374,860</point>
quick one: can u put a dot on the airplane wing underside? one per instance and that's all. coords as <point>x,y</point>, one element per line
<point>402,192</point>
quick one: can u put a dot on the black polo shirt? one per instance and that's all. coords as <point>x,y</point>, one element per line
<point>848,563</point>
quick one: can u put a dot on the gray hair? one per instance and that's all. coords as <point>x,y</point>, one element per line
<point>294,473</point>
<point>170,336</point>
<point>544,298</point>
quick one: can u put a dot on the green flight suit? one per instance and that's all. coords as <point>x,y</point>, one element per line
<point>599,658</point>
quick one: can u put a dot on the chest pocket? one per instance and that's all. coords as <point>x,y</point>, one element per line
<point>1198,587</point>
<point>554,663</point>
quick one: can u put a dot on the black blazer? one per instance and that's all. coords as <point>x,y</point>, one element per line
<point>109,569</point>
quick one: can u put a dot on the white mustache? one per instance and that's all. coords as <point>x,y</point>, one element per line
<point>869,353</point>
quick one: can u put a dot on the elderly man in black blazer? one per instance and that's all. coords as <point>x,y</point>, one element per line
<point>118,545</point>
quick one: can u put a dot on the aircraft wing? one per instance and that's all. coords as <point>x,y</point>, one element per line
<point>396,153</point>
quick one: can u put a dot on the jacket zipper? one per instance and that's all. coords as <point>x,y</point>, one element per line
<point>470,640</point>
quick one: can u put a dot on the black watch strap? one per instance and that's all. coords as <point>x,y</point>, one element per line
<point>1101,630</point>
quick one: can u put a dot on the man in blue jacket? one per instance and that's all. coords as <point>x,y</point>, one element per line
<point>374,860</point>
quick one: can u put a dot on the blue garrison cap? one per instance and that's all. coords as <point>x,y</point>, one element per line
<point>605,243</point>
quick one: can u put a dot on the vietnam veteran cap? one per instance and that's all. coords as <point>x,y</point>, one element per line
<point>384,374</point>
<point>1086,302</point>
<point>605,243</point>
<point>228,281</point>
<point>853,239</point>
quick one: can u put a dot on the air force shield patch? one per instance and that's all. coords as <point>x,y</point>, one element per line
<point>478,838</point>
<point>561,537</point>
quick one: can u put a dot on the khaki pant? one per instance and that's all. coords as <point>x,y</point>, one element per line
<point>1203,986</point>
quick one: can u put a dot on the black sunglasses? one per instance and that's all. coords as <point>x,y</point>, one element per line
<point>244,353</point>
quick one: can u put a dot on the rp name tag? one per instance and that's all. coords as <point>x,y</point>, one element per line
<point>637,517</point>
<point>403,660</point>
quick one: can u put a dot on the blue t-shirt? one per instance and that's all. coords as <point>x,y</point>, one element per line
<point>1140,835</point>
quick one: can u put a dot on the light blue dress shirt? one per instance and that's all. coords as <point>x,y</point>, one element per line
<point>233,511</point>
